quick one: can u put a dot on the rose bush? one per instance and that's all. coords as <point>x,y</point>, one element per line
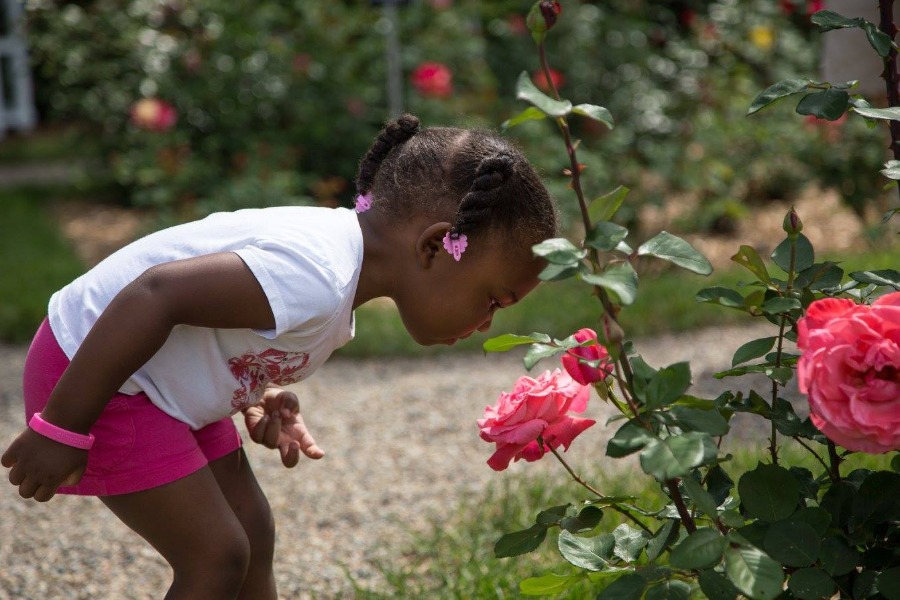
<point>533,418</point>
<point>777,530</point>
<point>850,369</point>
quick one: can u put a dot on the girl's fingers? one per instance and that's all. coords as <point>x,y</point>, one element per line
<point>44,493</point>
<point>290,454</point>
<point>272,431</point>
<point>259,430</point>
<point>27,488</point>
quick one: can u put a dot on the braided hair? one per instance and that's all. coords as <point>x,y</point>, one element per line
<point>474,179</point>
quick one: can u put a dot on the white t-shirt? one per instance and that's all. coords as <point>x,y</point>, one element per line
<point>307,261</point>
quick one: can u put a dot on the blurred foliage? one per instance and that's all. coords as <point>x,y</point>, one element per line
<point>276,101</point>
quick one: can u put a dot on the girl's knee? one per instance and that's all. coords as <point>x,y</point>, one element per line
<point>218,567</point>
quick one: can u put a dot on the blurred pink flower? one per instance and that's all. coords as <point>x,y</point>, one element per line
<point>433,79</point>
<point>441,4</point>
<point>535,407</point>
<point>850,369</point>
<point>153,114</point>
<point>582,372</point>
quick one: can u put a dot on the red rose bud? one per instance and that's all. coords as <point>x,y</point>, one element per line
<point>593,352</point>
<point>551,11</point>
<point>792,223</point>
<point>540,80</point>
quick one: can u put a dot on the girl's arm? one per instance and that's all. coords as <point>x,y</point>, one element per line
<point>217,290</point>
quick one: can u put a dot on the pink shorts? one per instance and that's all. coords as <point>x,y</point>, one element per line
<point>137,445</point>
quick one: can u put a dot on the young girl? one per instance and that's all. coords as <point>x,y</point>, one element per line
<point>131,382</point>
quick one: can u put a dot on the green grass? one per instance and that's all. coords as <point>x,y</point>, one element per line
<point>35,261</point>
<point>665,302</point>
<point>453,559</point>
<point>63,143</point>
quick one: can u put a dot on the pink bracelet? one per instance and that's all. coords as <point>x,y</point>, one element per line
<point>58,434</point>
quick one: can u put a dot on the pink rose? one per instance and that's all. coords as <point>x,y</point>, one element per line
<point>153,114</point>
<point>535,407</point>
<point>582,372</point>
<point>433,79</point>
<point>850,369</point>
<point>540,80</point>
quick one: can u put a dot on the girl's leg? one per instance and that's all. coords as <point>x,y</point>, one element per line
<point>249,504</point>
<point>192,525</point>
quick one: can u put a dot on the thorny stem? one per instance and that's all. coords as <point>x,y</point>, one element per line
<point>890,75</point>
<point>773,448</point>
<point>592,489</point>
<point>677,498</point>
<point>835,461</point>
<point>563,125</point>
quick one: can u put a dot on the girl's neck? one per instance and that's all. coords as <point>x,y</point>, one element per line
<point>383,265</point>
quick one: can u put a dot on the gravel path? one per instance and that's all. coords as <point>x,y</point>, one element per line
<point>401,445</point>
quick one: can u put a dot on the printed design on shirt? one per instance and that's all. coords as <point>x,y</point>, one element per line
<point>254,371</point>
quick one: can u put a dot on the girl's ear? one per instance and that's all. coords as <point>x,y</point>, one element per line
<point>430,243</point>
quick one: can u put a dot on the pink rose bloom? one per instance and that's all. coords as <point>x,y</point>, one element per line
<point>582,372</point>
<point>535,407</point>
<point>153,114</point>
<point>433,79</point>
<point>850,369</point>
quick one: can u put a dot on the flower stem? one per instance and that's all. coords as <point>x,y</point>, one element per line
<point>773,448</point>
<point>890,75</point>
<point>814,453</point>
<point>592,489</point>
<point>678,499</point>
<point>835,461</point>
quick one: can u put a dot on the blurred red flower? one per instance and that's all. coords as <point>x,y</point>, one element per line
<point>153,114</point>
<point>433,80</point>
<point>540,80</point>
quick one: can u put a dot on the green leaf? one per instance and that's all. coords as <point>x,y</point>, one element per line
<point>820,276</point>
<point>587,553</point>
<point>721,295</point>
<point>520,542</point>
<point>526,90</point>
<point>630,438</point>
<point>889,583</point>
<point>878,39</point>
<point>886,277</point>
<point>701,549</point>
<point>677,455</point>
<point>805,254</point>
<point>597,113</point>
<point>620,279</point>
<point>769,492</point>
<point>811,584</point>
<point>508,341</point>
<point>752,349</point>
<point>837,557</point>
<point>605,236</point>
<point>779,305</point>
<point>587,519</point>
<point>753,573</point>
<point>792,544</point>
<point>538,352</point>
<point>664,537</point>
<point>895,463</point>
<point>604,208</point>
<point>828,20</point>
<point>779,90</point>
<point>529,114</point>
<point>669,589</point>
<point>548,584</point>
<point>552,515</point>
<point>629,542</point>
<point>716,586</point>
<point>891,169</point>
<point>884,114</point>
<point>559,251</point>
<point>628,587</point>
<point>749,258</point>
<point>697,419</point>
<point>702,499</point>
<point>827,104</point>
<point>558,272</point>
<point>667,385</point>
<point>672,248</point>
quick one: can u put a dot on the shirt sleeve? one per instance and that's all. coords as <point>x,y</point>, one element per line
<point>301,289</point>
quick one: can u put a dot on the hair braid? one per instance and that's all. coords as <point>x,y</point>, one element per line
<point>393,134</point>
<point>478,205</point>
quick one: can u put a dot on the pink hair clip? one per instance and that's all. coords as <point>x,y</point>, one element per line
<point>455,244</point>
<point>363,202</point>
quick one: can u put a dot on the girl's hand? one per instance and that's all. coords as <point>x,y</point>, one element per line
<point>38,465</point>
<point>276,423</point>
